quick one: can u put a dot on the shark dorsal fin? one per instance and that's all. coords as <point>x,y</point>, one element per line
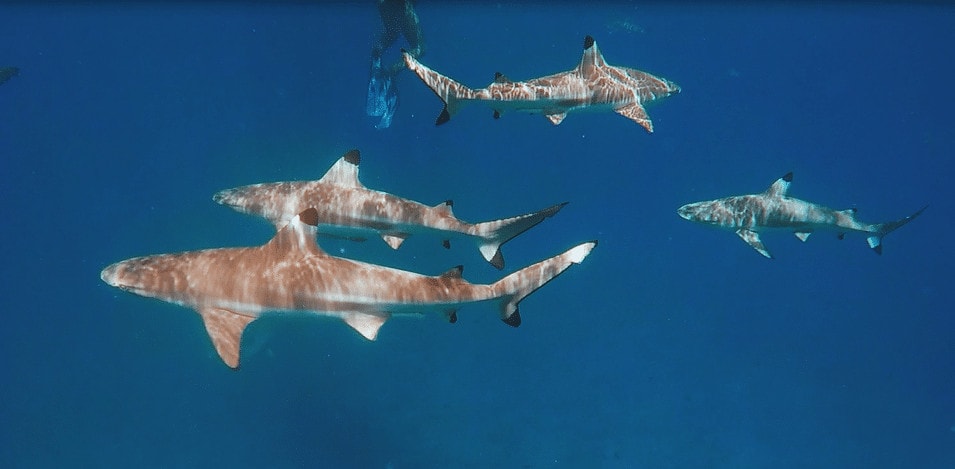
<point>445,207</point>
<point>780,187</point>
<point>501,78</point>
<point>592,58</point>
<point>345,171</point>
<point>298,235</point>
<point>225,329</point>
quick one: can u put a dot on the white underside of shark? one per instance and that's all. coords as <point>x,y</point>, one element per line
<point>593,85</point>
<point>346,208</point>
<point>750,215</point>
<point>231,287</point>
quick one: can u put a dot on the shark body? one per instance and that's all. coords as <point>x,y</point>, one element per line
<point>593,85</point>
<point>748,215</point>
<point>348,209</point>
<point>231,287</point>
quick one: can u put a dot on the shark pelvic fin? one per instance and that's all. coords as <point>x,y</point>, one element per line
<point>557,118</point>
<point>366,324</point>
<point>781,187</point>
<point>395,239</point>
<point>225,329</point>
<point>345,171</point>
<point>752,238</point>
<point>803,235</point>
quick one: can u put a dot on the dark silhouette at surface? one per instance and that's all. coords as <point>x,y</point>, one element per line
<point>398,18</point>
<point>7,73</point>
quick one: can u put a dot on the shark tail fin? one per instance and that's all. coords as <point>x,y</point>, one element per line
<point>495,233</point>
<point>451,92</point>
<point>516,286</point>
<point>882,229</point>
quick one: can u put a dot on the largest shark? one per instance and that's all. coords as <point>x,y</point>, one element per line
<point>592,85</point>
<point>748,215</point>
<point>231,287</point>
<point>348,209</point>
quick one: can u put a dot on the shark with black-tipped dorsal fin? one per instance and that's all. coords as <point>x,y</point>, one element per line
<point>594,85</point>
<point>231,287</point>
<point>749,215</point>
<point>347,208</point>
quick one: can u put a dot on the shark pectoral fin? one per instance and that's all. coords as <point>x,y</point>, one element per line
<point>556,119</point>
<point>492,253</point>
<point>803,235</point>
<point>752,238</point>
<point>365,323</point>
<point>636,112</point>
<point>395,239</point>
<point>225,329</point>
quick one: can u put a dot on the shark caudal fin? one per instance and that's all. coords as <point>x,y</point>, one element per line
<point>450,91</point>
<point>495,233</point>
<point>515,287</point>
<point>882,229</point>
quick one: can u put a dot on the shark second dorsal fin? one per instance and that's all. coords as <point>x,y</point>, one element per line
<point>453,272</point>
<point>781,187</point>
<point>225,329</point>
<point>345,171</point>
<point>298,235</point>
<point>592,58</point>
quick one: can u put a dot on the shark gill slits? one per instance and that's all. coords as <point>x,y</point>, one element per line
<point>588,42</point>
<point>353,156</point>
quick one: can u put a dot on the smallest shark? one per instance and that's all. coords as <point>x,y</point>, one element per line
<point>593,85</point>
<point>749,215</point>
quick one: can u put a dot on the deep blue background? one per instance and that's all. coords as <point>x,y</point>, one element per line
<point>673,345</point>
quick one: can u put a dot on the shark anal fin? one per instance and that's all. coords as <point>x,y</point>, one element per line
<point>225,329</point>
<point>395,239</point>
<point>752,238</point>
<point>497,114</point>
<point>366,324</point>
<point>446,243</point>
<point>556,119</point>
<point>841,236</point>
<point>636,112</point>
<point>803,235</point>
<point>452,316</point>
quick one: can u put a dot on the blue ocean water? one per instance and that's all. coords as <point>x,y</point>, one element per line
<point>672,345</point>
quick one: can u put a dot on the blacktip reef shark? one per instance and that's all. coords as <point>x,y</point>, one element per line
<point>749,215</point>
<point>346,208</point>
<point>593,85</point>
<point>231,287</point>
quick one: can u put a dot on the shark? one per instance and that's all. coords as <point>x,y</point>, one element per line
<point>749,215</point>
<point>231,287</point>
<point>593,85</point>
<point>350,210</point>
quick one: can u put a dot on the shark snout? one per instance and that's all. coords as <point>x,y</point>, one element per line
<point>685,212</point>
